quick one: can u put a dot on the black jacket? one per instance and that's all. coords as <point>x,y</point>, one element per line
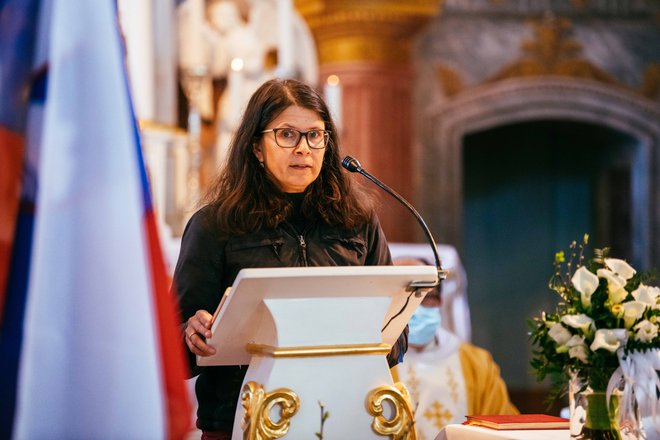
<point>209,261</point>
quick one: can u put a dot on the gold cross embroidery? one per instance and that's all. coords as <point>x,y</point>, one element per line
<point>413,384</point>
<point>453,385</point>
<point>438,415</point>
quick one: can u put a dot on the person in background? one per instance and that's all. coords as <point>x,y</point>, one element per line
<point>281,199</point>
<point>446,377</point>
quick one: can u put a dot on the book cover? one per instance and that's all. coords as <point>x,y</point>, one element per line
<point>518,421</point>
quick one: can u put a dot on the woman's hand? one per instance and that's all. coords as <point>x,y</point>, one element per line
<point>197,331</point>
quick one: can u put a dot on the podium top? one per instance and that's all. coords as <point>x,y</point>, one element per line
<point>243,313</point>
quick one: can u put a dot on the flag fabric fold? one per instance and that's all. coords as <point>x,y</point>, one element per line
<point>100,355</point>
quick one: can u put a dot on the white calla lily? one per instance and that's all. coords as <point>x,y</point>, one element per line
<point>613,280</point>
<point>645,331</point>
<point>617,311</point>
<point>586,283</point>
<point>578,349</point>
<point>609,339</point>
<point>580,352</point>
<point>620,267</point>
<point>581,322</point>
<point>559,333</point>
<point>647,295</point>
<point>616,295</point>
<point>632,311</point>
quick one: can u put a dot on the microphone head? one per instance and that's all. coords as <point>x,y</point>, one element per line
<point>351,164</point>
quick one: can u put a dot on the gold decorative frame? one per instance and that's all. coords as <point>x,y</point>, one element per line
<point>318,350</point>
<point>402,424</point>
<point>256,423</point>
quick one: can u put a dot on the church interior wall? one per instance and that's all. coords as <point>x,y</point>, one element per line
<point>483,65</point>
<point>478,66</point>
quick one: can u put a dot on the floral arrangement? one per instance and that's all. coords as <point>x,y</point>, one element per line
<point>607,311</point>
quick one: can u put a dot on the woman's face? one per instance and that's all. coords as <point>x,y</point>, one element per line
<point>293,169</point>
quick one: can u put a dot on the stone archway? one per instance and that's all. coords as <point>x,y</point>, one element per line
<point>529,99</point>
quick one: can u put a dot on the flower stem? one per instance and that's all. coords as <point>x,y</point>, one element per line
<point>601,423</point>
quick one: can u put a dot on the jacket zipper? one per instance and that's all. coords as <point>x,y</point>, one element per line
<point>303,249</point>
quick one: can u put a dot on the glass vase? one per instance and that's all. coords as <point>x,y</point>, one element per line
<point>592,417</point>
<point>600,417</point>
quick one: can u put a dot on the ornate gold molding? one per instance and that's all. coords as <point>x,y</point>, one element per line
<point>401,426</point>
<point>552,52</point>
<point>318,350</point>
<point>257,404</point>
<point>450,80</point>
<point>651,83</point>
<point>151,125</point>
<point>365,30</point>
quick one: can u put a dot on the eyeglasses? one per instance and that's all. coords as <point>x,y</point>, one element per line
<point>290,137</point>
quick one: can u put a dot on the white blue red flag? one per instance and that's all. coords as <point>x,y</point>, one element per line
<point>90,345</point>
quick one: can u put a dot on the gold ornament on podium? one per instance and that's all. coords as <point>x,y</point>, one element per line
<point>256,423</point>
<point>401,426</point>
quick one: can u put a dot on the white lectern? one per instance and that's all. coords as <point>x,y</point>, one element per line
<point>316,339</point>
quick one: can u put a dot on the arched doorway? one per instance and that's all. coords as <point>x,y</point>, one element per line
<point>536,99</point>
<point>526,187</point>
<point>513,171</point>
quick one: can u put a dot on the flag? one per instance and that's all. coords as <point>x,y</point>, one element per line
<point>21,82</point>
<point>100,352</point>
<point>18,20</point>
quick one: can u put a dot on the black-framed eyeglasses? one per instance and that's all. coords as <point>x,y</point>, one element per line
<point>290,137</point>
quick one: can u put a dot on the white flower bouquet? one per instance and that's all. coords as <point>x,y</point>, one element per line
<point>604,331</point>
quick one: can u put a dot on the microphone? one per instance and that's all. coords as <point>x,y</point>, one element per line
<point>353,165</point>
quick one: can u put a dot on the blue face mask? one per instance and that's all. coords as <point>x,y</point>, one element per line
<point>423,324</point>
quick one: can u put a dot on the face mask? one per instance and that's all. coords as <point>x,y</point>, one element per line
<point>423,324</point>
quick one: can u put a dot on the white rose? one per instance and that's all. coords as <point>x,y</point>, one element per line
<point>609,339</point>
<point>632,311</point>
<point>620,267</point>
<point>586,283</point>
<point>581,322</point>
<point>647,295</point>
<point>559,333</point>
<point>646,331</point>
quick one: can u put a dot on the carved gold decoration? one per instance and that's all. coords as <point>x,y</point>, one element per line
<point>401,426</point>
<point>553,52</point>
<point>257,405</point>
<point>450,80</point>
<point>151,125</point>
<point>651,84</point>
<point>364,30</point>
<point>318,350</point>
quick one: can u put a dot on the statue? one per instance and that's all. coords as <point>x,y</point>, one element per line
<point>238,54</point>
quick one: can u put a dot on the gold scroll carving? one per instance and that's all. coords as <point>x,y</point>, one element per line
<point>256,423</point>
<point>401,426</point>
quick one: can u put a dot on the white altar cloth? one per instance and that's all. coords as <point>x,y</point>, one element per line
<point>465,432</point>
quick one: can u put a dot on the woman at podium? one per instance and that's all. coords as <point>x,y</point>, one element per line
<point>280,200</point>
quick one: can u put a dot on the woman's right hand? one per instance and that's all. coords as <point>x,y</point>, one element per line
<point>198,330</point>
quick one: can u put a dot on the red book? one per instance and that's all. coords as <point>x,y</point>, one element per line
<point>519,421</point>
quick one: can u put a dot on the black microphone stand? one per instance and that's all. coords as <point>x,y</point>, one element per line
<point>353,165</point>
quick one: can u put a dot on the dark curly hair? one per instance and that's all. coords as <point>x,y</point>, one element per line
<point>247,199</point>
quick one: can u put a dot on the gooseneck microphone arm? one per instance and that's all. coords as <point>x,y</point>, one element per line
<point>353,165</point>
